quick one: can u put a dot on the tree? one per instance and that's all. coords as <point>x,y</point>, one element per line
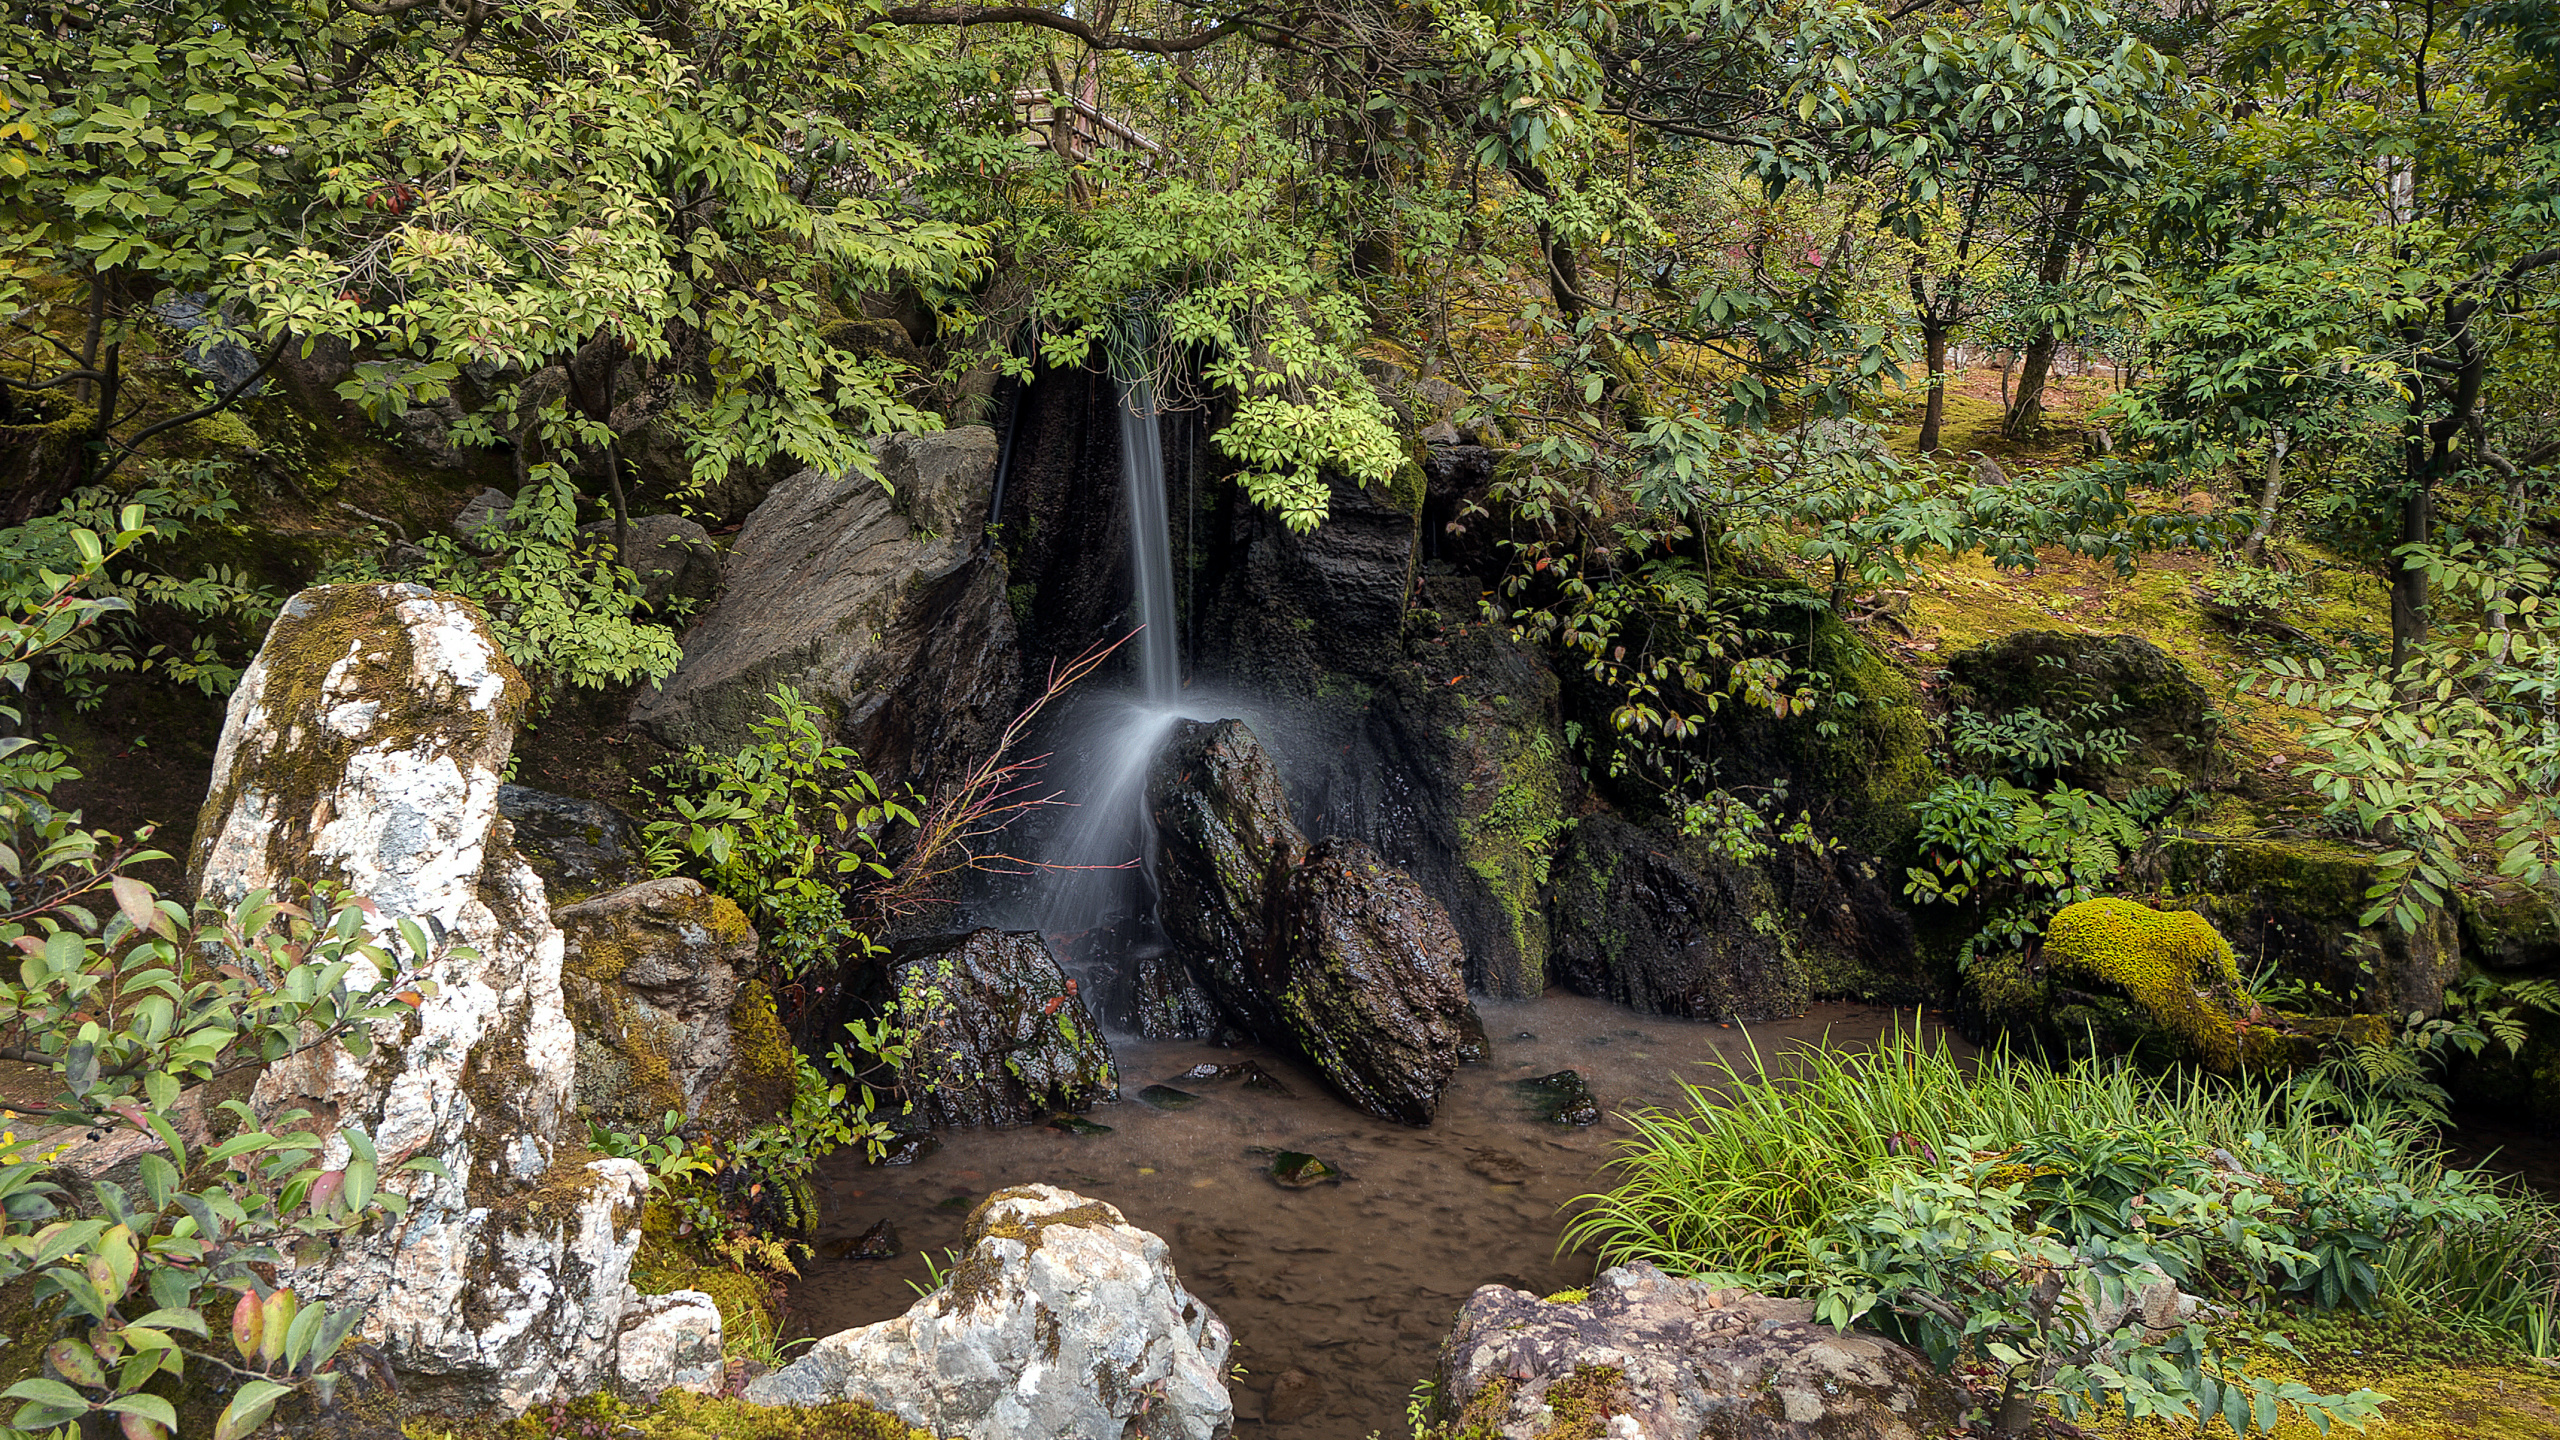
<point>582,217</point>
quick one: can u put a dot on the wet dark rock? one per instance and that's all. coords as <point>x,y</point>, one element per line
<point>1294,1170</point>
<point>1665,925</point>
<point>908,1147</point>
<point>1165,1097</point>
<point>2095,683</point>
<point>1077,1125</point>
<point>880,1242</point>
<point>483,517</point>
<point>1682,1360</point>
<point>1325,949</point>
<point>1563,1098</point>
<point>1003,1039</point>
<point>1253,1076</point>
<point>579,847</point>
<point>1159,998</point>
<point>672,557</point>
<point>883,603</point>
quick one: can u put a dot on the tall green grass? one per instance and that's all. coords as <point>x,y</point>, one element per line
<point>1761,1159</point>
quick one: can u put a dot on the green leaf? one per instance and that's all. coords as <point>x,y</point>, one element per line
<point>249,1409</point>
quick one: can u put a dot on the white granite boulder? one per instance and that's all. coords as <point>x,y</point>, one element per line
<point>1063,1319</point>
<point>365,746</point>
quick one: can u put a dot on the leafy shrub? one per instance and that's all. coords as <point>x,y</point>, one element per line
<point>1940,1198</point>
<point>225,610</point>
<point>561,606</point>
<point>789,826</point>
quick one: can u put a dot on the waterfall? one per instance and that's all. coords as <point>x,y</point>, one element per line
<point>1150,543</point>
<point>1095,901</point>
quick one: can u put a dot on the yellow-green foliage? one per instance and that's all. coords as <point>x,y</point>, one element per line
<point>668,1262</point>
<point>681,1416</point>
<point>2172,963</point>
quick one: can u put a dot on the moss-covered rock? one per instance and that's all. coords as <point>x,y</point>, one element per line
<point>2510,928</point>
<point>2296,906</point>
<point>1666,926</point>
<point>1000,1035</point>
<point>2160,985</point>
<point>652,977</point>
<point>2093,683</point>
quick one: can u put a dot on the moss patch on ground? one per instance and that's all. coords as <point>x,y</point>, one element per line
<point>2444,1383</point>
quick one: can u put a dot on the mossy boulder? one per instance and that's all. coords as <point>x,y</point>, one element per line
<point>2094,683</point>
<point>2297,906</point>
<point>653,977</point>
<point>1000,1035</point>
<point>1325,949</point>
<point>580,848</point>
<point>2160,985</point>
<point>365,747</point>
<point>2510,928</point>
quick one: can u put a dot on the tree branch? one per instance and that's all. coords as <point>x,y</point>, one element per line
<point>966,15</point>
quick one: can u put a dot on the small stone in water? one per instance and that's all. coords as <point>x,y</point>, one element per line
<point>1165,1097</point>
<point>1078,1125</point>
<point>1499,1166</point>
<point>1526,1035</point>
<point>1203,1072</point>
<point>908,1149</point>
<point>880,1242</point>
<point>1295,1171</point>
<point>1560,1099</point>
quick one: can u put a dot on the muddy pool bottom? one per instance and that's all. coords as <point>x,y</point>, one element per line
<point>1339,1292</point>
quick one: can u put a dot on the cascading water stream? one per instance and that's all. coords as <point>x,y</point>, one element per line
<point>1094,889</point>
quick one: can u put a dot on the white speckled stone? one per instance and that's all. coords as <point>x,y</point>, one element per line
<point>1063,1319</point>
<point>365,746</point>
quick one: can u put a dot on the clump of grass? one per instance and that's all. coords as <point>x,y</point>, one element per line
<point>1761,1160</point>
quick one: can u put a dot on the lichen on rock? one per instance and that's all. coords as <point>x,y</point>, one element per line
<point>1059,1319</point>
<point>365,747</point>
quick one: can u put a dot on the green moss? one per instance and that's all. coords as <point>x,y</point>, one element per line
<point>765,1066</point>
<point>224,430</point>
<point>1511,844</point>
<point>2173,964</point>
<point>668,1261</point>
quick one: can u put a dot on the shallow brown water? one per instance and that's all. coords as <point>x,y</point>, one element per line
<point>1338,1295</point>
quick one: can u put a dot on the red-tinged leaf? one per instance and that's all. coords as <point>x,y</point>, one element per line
<point>248,1323</point>
<point>410,998</point>
<point>325,1189</point>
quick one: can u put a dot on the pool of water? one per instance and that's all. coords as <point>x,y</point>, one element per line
<point>1338,1294</point>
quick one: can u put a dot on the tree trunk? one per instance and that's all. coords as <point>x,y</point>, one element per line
<point>2027,411</point>
<point>1933,340</point>
<point>2409,576</point>
<point>2266,501</point>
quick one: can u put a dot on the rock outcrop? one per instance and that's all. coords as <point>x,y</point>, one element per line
<point>580,848</point>
<point>1649,1357</point>
<point>652,975</point>
<point>2092,683</point>
<point>2299,904</point>
<point>1324,949</point>
<point>364,746</point>
<point>1001,1036</point>
<point>885,604</point>
<point>672,558</point>
<point>1061,1319</point>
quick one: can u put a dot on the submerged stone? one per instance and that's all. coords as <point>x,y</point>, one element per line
<point>1253,1076</point>
<point>907,1149</point>
<point>1295,1170</point>
<point>1499,1166</point>
<point>1165,1097</point>
<point>1077,1125</point>
<point>880,1242</point>
<point>1563,1098</point>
